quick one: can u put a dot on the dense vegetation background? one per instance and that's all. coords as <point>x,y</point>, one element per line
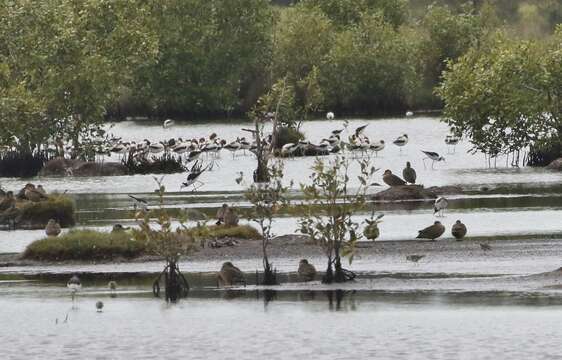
<point>68,65</point>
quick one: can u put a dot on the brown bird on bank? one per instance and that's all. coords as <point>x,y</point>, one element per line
<point>8,201</point>
<point>392,180</point>
<point>306,271</point>
<point>41,189</point>
<point>220,213</point>
<point>32,194</point>
<point>458,230</point>
<point>21,193</point>
<point>409,174</point>
<point>230,275</point>
<point>230,217</point>
<point>432,232</point>
<point>52,228</point>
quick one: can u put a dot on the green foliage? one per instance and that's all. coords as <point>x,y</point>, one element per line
<point>85,245</point>
<point>287,135</point>
<point>211,53</point>
<point>368,67</point>
<point>58,207</point>
<point>505,95</point>
<point>267,200</point>
<point>63,63</point>
<point>334,229</point>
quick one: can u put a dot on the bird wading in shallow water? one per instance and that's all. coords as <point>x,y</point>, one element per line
<point>401,141</point>
<point>433,156</point>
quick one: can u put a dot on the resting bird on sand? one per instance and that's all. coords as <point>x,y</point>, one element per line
<point>392,180</point>
<point>306,271</point>
<point>8,201</point>
<point>432,232</point>
<point>458,230</point>
<point>409,174</point>
<point>32,194</point>
<point>52,228</point>
<point>230,275</point>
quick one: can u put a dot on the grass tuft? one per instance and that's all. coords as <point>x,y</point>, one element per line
<point>58,207</point>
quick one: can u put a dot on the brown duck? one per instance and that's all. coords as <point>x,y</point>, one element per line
<point>230,275</point>
<point>392,180</point>
<point>32,194</point>
<point>409,174</point>
<point>432,232</point>
<point>306,271</point>
<point>8,201</point>
<point>458,230</point>
<point>52,228</point>
<point>230,217</point>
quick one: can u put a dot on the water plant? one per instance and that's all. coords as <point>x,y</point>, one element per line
<point>167,242</point>
<point>267,199</point>
<point>333,228</point>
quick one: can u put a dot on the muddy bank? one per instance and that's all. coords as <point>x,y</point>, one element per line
<point>416,192</point>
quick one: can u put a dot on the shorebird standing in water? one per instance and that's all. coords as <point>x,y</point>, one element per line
<point>330,116</point>
<point>451,141</point>
<point>433,156</point>
<point>194,173</point>
<point>401,141</point>
<point>439,206</point>
<point>74,285</point>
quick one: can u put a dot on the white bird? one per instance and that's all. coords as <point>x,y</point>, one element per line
<point>289,149</point>
<point>433,156</point>
<point>155,148</point>
<point>330,115</point>
<point>439,206</point>
<point>451,141</point>
<point>409,113</point>
<point>168,123</point>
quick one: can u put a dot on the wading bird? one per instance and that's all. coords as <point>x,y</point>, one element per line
<point>458,230</point>
<point>330,115</point>
<point>99,306</point>
<point>74,285</point>
<point>409,113</point>
<point>451,142</point>
<point>439,206</point>
<point>401,141</point>
<point>409,174</point>
<point>168,123</point>
<point>432,232</point>
<point>377,146</point>
<point>433,156</point>
<point>194,173</point>
<point>140,203</point>
<point>306,271</point>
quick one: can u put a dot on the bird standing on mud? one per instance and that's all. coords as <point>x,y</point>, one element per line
<point>306,271</point>
<point>409,174</point>
<point>230,275</point>
<point>439,206</point>
<point>458,230</point>
<point>432,232</point>
<point>392,180</point>
<point>52,228</point>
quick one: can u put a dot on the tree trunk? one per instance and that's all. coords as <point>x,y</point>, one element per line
<point>269,275</point>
